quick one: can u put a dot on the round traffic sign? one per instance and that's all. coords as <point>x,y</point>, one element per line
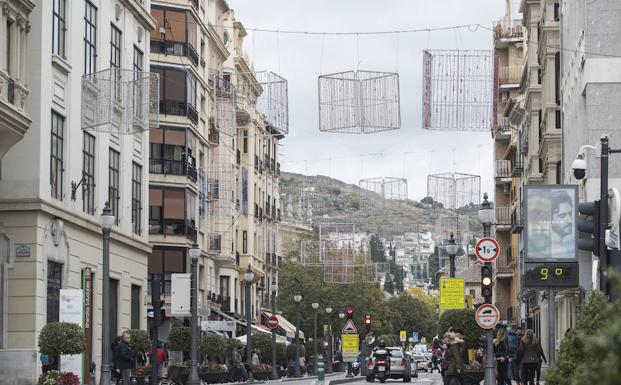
<point>272,322</point>
<point>487,249</point>
<point>487,316</point>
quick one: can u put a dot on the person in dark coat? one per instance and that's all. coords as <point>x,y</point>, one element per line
<point>453,356</point>
<point>116,359</point>
<point>127,356</point>
<point>530,354</point>
<point>501,352</point>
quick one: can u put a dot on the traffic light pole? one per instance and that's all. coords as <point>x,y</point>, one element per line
<point>490,372</point>
<point>603,214</point>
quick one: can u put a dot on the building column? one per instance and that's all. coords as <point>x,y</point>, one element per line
<point>14,54</point>
<point>24,29</point>
<point>3,32</point>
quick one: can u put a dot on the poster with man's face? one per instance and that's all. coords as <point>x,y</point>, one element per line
<point>550,222</point>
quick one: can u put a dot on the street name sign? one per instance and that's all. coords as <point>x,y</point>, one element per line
<point>452,293</point>
<point>487,249</point>
<point>487,316</point>
<point>272,322</point>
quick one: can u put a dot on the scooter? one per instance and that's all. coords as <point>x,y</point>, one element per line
<point>379,366</point>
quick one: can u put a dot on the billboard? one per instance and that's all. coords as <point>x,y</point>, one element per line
<point>550,223</point>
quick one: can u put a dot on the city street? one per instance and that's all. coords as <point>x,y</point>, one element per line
<point>423,378</point>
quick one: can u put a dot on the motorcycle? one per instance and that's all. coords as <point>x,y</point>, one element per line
<point>355,368</point>
<point>379,366</point>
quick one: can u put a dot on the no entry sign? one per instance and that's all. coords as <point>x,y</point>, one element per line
<point>487,316</point>
<point>487,249</point>
<point>272,322</point>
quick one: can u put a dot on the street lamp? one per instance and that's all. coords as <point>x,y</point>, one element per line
<point>486,216</point>
<point>329,347</point>
<point>274,290</point>
<point>106,220</point>
<point>297,298</point>
<point>315,306</point>
<point>248,277</point>
<point>193,379</point>
<point>451,249</point>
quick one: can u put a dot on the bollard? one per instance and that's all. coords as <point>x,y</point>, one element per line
<point>320,371</point>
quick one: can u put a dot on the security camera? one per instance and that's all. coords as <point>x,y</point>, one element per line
<point>579,166</point>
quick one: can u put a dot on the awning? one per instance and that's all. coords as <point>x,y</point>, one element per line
<point>231,318</point>
<point>285,325</point>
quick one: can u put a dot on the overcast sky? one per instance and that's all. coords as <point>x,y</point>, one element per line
<point>410,152</point>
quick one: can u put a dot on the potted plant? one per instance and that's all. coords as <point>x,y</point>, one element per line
<point>140,344</point>
<point>57,339</point>
<point>214,373</point>
<point>214,348</point>
<point>139,374</point>
<point>180,340</point>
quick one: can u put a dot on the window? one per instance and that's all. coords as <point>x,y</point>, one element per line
<point>138,59</point>
<point>245,242</point>
<point>167,151</point>
<point>136,197</point>
<point>135,307</point>
<point>90,38</point>
<point>56,156</point>
<point>54,283</point>
<point>173,91</point>
<point>169,210</point>
<point>113,319</point>
<point>164,262</point>
<point>113,183</point>
<point>245,142</point>
<point>557,77</point>
<point>115,47</point>
<point>58,28</point>
<point>88,174</point>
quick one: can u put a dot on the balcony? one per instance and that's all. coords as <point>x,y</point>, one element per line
<point>169,107</point>
<point>13,113</point>
<point>508,29</point>
<point>503,216</point>
<point>503,264</point>
<point>173,227</point>
<point>510,74</point>
<point>215,243</point>
<point>503,127</point>
<point>175,48</point>
<point>213,137</point>
<point>172,167</point>
<point>517,169</point>
<point>502,169</point>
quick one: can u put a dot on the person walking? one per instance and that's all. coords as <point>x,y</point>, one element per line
<point>436,353</point>
<point>126,358</point>
<point>116,359</point>
<point>240,369</point>
<point>501,352</point>
<point>542,356</point>
<point>530,354</point>
<point>455,365</point>
<point>513,342</point>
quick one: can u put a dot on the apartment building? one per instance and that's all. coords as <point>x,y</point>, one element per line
<point>538,117</point>
<point>55,180</point>
<point>590,85</point>
<point>509,53</point>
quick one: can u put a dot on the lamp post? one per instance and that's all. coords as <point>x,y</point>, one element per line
<point>486,216</point>
<point>248,277</point>
<point>274,290</point>
<point>193,379</point>
<point>329,347</point>
<point>297,298</point>
<point>341,317</point>
<point>315,306</point>
<point>451,249</point>
<point>106,220</point>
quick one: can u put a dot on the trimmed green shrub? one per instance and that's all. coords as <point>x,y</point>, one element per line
<point>180,339</point>
<point>463,320</point>
<point>140,341</point>
<point>291,350</point>
<point>212,345</point>
<point>58,338</point>
<point>230,344</point>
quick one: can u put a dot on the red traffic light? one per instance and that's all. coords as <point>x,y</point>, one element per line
<point>350,310</point>
<point>367,319</point>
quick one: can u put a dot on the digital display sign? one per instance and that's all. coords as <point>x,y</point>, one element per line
<point>546,274</point>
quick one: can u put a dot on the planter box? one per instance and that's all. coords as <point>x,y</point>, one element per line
<point>215,378</point>
<point>261,376</point>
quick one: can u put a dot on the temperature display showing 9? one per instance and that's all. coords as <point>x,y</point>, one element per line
<point>544,274</point>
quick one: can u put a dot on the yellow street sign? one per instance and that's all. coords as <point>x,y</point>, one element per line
<point>350,349</point>
<point>452,293</point>
<point>403,336</point>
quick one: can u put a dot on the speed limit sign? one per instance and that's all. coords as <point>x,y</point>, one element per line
<point>487,249</point>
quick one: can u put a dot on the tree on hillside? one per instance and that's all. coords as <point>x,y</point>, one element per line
<point>377,249</point>
<point>434,266</point>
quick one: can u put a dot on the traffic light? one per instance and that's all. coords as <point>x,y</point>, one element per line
<point>367,322</point>
<point>486,283</point>
<point>588,223</point>
<point>350,312</point>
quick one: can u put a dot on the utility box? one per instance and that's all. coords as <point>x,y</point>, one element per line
<point>180,294</point>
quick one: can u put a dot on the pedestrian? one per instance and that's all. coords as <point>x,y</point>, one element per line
<point>542,356</point>
<point>513,342</point>
<point>436,353</point>
<point>116,359</point>
<point>239,368</point>
<point>162,358</point>
<point>455,365</point>
<point>255,357</point>
<point>501,352</point>
<point>126,358</point>
<point>530,354</point>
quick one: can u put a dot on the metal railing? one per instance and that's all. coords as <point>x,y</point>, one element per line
<point>175,48</point>
<point>503,215</point>
<point>502,168</point>
<point>503,125</point>
<point>516,220</point>
<point>173,227</point>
